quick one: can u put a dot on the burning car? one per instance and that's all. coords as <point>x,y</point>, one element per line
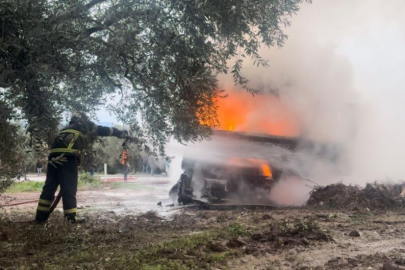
<point>254,147</point>
<point>222,169</point>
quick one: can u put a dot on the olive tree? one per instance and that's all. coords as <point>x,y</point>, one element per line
<point>161,56</point>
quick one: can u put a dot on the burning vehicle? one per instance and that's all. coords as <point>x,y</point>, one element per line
<point>225,174</point>
<point>245,159</point>
<point>244,167</point>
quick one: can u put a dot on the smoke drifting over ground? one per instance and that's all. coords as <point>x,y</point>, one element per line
<point>341,72</point>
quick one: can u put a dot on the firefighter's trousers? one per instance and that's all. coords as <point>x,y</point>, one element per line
<point>65,175</point>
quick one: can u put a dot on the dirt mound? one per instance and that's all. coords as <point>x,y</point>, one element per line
<point>374,196</point>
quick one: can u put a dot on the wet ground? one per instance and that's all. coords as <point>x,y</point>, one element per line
<point>137,195</point>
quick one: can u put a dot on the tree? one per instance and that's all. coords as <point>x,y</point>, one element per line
<point>15,154</point>
<point>162,56</point>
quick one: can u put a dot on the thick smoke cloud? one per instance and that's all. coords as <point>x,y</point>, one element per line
<point>341,71</point>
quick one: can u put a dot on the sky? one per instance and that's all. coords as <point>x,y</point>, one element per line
<point>105,117</point>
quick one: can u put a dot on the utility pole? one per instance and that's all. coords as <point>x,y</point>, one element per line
<point>105,172</point>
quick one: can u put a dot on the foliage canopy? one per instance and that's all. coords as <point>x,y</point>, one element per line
<point>162,56</point>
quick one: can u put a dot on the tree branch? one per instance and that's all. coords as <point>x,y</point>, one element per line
<point>101,27</point>
<point>93,3</point>
<point>95,29</point>
<point>110,21</point>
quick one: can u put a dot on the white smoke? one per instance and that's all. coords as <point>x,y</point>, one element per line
<point>175,151</point>
<point>341,70</point>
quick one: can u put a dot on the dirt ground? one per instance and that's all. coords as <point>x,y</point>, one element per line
<point>126,229</point>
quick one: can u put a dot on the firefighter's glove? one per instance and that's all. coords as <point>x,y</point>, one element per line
<point>57,160</point>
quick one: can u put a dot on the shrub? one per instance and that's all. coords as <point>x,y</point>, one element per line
<point>85,179</point>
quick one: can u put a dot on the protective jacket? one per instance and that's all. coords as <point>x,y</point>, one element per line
<point>70,139</point>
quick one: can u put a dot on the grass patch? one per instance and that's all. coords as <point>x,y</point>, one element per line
<point>85,181</point>
<point>237,229</point>
<point>170,254</point>
<point>25,187</point>
<point>220,257</point>
<point>85,185</point>
<point>187,252</point>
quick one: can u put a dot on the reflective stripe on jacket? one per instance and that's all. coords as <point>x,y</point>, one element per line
<point>69,148</point>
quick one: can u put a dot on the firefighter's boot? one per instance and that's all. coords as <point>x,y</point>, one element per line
<point>76,220</point>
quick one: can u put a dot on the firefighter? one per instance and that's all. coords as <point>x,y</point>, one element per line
<point>64,159</point>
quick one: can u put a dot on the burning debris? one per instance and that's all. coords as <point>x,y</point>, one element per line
<point>374,196</point>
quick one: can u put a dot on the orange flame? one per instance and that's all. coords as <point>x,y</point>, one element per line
<point>266,170</point>
<point>264,114</point>
<point>248,162</point>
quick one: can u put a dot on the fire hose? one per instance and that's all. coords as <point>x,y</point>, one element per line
<point>55,202</point>
<point>53,206</point>
<point>18,203</point>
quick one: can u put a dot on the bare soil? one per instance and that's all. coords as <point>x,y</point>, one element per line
<point>122,232</point>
